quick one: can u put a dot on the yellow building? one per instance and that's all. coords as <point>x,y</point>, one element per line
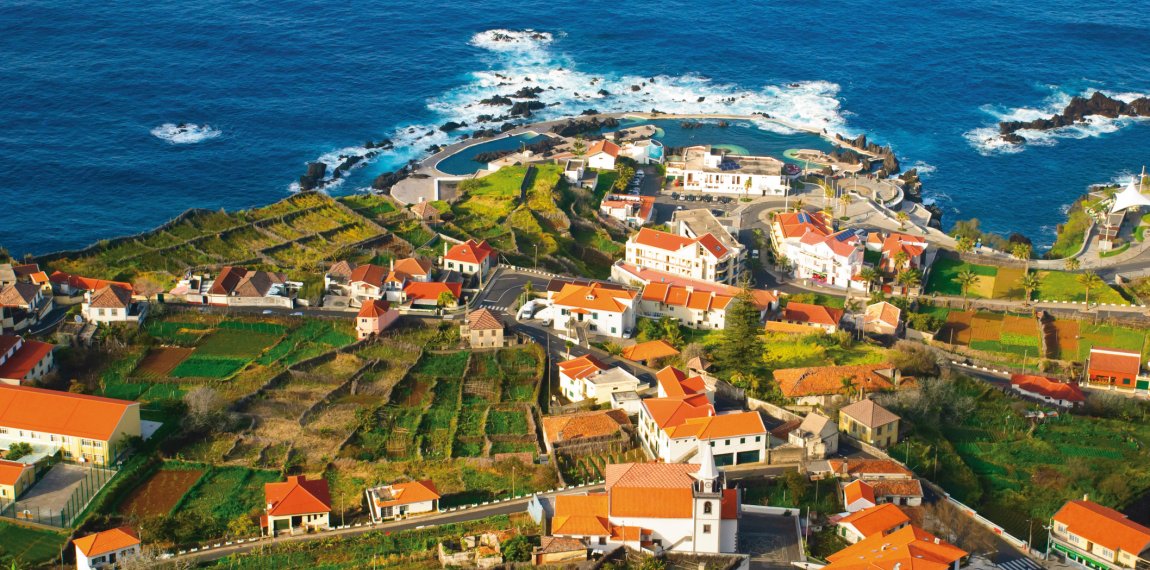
<point>81,428</point>
<point>1098,537</point>
<point>870,423</point>
<point>15,477</point>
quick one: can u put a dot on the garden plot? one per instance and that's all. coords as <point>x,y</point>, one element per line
<point>1109,336</point>
<point>993,332</point>
<point>160,493</point>
<point>582,469</point>
<point>225,494</point>
<point>1066,333</point>
<point>160,362</point>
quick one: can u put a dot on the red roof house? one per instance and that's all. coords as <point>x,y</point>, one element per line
<point>1048,389</point>
<point>296,503</point>
<point>1114,367</point>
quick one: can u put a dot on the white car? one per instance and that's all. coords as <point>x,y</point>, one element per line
<point>268,311</point>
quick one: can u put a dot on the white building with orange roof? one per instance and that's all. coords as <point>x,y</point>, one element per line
<point>1098,537</point>
<point>903,251</point>
<point>858,495</point>
<point>695,303</point>
<point>606,311</point>
<point>695,512</point>
<point>82,428</point>
<point>909,547</point>
<point>703,257</point>
<point>673,425</point>
<point>588,378</point>
<point>24,361</point>
<point>602,154</point>
<point>877,520</point>
<point>374,317</point>
<point>298,503</point>
<point>789,227</point>
<point>632,210</point>
<point>401,500</point>
<point>832,260</point>
<point>469,258</point>
<point>106,548</point>
<point>111,304</point>
<point>882,318</point>
<point>401,273</point>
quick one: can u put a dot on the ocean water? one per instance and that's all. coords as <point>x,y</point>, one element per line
<point>91,97</point>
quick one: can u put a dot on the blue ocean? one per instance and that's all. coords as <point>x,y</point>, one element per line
<point>91,96</point>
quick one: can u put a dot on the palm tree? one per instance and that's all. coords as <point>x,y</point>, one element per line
<point>848,386</point>
<point>869,276</point>
<point>902,218</point>
<point>1089,281</point>
<point>799,204</point>
<point>844,201</point>
<point>828,194</point>
<point>908,278</point>
<point>965,279</point>
<point>901,260</point>
<point>529,288</point>
<point>964,245</point>
<point>782,262</point>
<point>1021,252</point>
<point>1030,282</point>
<point>1072,264</point>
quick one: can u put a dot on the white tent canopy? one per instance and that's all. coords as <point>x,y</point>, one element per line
<point>1129,198</point>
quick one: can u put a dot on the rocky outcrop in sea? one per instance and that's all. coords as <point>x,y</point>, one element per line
<point>1077,111</point>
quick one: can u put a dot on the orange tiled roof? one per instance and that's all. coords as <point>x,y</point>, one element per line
<point>429,291</point>
<point>814,314</point>
<point>483,319</point>
<point>882,312</point>
<point>1114,360</point>
<point>858,490</point>
<point>408,268</point>
<point>297,496</point>
<point>582,367</point>
<point>10,471</point>
<point>584,424</point>
<point>18,294</point>
<point>1048,387</point>
<point>670,412</point>
<point>76,415</point>
<point>342,268</point>
<point>581,515</point>
<point>675,382</point>
<point>632,485</point>
<point>667,241</point>
<point>841,244</point>
<point>897,487</point>
<point>20,364</point>
<point>868,467</point>
<point>717,427</point>
<point>367,273</point>
<point>1104,526</point>
<point>408,493</point>
<point>894,243</point>
<point>909,548</point>
<point>605,146</point>
<point>374,308</point>
<point>423,208</point>
<point>594,298</point>
<point>649,350</point>
<point>39,278</point>
<point>470,252</point>
<point>876,520</point>
<point>796,224</point>
<point>678,296</point>
<point>827,380</point>
<point>107,541</point>
<point>86,283</point>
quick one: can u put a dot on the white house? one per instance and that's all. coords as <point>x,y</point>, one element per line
<point>704,257</point>
<point>238,287</point>
<point>24,361</point>
<point>298,503</point>
<point>631,210</point>
<point>1048,390</point>
<point>877,520</point>
<point>469,258</point>
<point>401,500</point>
<point>111,304</point>
<point>710,170</point>
<point>695,303</point>
<point>694,511</point>
<point>831,260</point>
<point>106,548</point>
<point>595,308</point>
<point>588,378</point>
<point>817,434</point>
<point>602,154</point>
<point>646,151</point>
<point>573,170</point>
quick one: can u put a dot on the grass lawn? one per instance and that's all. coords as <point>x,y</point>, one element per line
<point>785,351</point>
<point>605,182</point>
<point>944,273</point>
<point>1109,336</point>
<point>1063,286</point>
<point>235,343</point>
<point>369,205</point>
<point>25,546</point>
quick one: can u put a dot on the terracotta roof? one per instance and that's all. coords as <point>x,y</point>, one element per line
<point>667,241</point>
<point>814,314</point>
<point>39,278</point>
<point>1049,387</point>
<point>882,312</point>
<point>10,471</point>
<point>868,413</point>
<point>678,296</point>
<point>584,424</point>
<point>894,243</point>
<point>110,297</point>
<point>422,209</point>
<point>482,319</point>
<point>786,428</point>
<point>603,145</point>
<point>1115,360</point>
<point>593,297</point>
<point>77,415</point>
<point>675,382</point>
<point>796,224</point>
<point>409,268</point>
<point>828,380</point>
<point>858,490</point>
<point>18,294</point>
<point>107,541</point>
<point>408,493</point>
<point>698,363</point>
<point>1104,526</point>
<point>429,291</point>
<point>7,341</point>
<point>876,520</point>
<point>371,274</point>
<point>864,467</point>
<point>897,487</point>
<point>584,515</point>
<point>470,252</point>
<point>244,282</point>
<point>670,412</point>
<point>909,548</point>
<point>85,283</point>
<point>374,308</point>
<point>555,544</point>
<point>841,243</point>
<point>648,350</point>
<point>718,427</point>
<point>632,485</point>
<point>26,358</point>
<point>341,269</point>
<point>26,269</point>
<point>582,367</point>
<point>297,496</point>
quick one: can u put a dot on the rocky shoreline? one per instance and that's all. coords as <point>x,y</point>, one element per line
<point>1076,112</point>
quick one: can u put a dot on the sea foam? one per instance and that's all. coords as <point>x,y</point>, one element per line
<point>185,133</point>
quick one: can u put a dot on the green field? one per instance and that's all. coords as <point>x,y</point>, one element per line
<point>944,274</point>
<point>197,366</point>
<point>226,493</point>
<point>227,342</point>
<point>506,422</point>
<point>24,547</point>
<point>1063,286</point>
<point>1110,336</point>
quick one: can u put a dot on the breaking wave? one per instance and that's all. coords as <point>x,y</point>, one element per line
<point>185,133</point>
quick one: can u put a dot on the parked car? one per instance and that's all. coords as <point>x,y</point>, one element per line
<point>268,311</point>
<point>297,314</point>
<point>675,196</point>
<point>708,198</point>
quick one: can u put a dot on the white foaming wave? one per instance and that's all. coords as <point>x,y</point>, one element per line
<point>511,40</point>
<point>185,133</point>
<point>924,170</point>
<point>987,140</point>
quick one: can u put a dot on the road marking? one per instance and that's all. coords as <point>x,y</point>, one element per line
<point>1020,564</point>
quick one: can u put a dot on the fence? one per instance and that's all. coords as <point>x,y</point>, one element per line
<point>50,503</point>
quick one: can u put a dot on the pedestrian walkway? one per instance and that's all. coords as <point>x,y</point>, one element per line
<point>1019,564</point>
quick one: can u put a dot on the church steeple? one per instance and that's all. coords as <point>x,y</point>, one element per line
<point>708,479</point>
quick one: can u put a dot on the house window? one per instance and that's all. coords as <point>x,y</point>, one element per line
<point>742,440</point>
<point>707,508</point>
<point>100,312</point>
<point>706,529</point>
<point>758,438</point>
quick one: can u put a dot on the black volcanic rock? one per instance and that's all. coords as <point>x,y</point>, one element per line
<point>573,127</point>
<point>451,126</point>
<point>1077,111</point>
<point>528,93</point>
<point>314,177</point>
<point>496,100</point>
<point>524,108</point>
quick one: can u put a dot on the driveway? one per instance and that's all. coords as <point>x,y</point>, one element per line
<point>771,540</point>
